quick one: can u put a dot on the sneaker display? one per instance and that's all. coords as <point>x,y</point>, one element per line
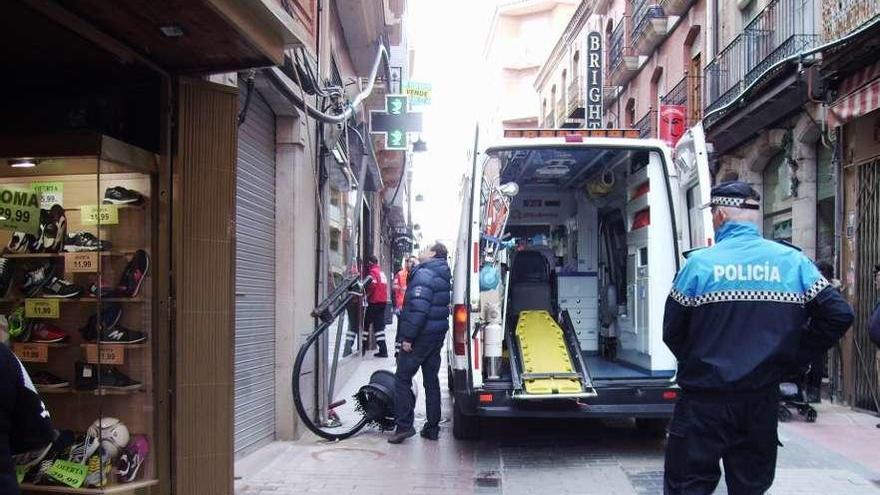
<point>60,288</point>
<point>132,458</point>
<point>110,315</point>
<point>28,460</point>
<point>54,230</point>
<point>104,290</point>
<point>45,333</point>
<point>17,326</point>
<point>121,196</point>
<point>36,279</point>
<point>85,241</point>
<point>20,243</point>
<point>7,270</point>
<point>100,465</point>
<point>46,380</point>
<point>38,474</point>
<point>135,273</point>
<point>121,335</point>
<point>110,378</point>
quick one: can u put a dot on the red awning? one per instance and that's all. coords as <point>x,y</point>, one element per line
<point>859,94</point>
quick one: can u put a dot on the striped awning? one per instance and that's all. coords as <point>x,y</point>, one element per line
<point>859,94</point>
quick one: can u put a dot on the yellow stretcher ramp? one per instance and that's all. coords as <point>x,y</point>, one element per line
<point>544,352</point>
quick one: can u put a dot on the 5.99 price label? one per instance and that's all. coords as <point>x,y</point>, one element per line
<point>99,214</point>
<point>50,193</point>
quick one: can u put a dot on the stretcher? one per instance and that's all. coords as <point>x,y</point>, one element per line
<point>547,362</point>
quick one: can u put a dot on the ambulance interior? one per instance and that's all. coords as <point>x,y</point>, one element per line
<point>580,225</point>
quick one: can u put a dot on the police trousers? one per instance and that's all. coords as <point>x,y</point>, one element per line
<point>739,432</point>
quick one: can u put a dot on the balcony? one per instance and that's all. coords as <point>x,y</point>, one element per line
<point>647,125</point>
<point>562,119</point>
<point>676,7</point>
<point>649,26</point>
<point>601,7</point>
<point>783,29</point>
<point>622,63</point>
<point>576,98</point>
<point>550,121</point>
<point>687,93</point>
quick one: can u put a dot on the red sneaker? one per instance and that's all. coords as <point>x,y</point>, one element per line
<point>45,333</point>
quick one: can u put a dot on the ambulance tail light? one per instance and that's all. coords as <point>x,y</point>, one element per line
<point>641,219</point>
<point>460,329</point>
<point>670,395</point>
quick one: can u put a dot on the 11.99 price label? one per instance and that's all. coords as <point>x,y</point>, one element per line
<point>81,262</point>
<point>99,214</point>
<point>42,308</point>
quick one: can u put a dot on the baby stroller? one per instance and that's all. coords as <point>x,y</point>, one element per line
<point>793,395</point>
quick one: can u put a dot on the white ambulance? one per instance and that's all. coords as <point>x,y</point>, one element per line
<point>568,244</point>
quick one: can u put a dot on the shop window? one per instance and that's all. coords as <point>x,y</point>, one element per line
<point>825,189</point>
<point>777,199</point>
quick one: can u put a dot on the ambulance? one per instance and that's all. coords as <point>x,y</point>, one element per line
<point>569,240</point>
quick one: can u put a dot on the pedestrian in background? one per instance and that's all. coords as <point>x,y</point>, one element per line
<point>736,320</point>
<point>24,420</point>
<point>400,282</point>
<point>377,299</point>
<point>421,330</point>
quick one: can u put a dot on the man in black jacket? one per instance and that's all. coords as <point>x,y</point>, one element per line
<point>24,420</point>
<point>421,330</point>
<point>736,320</point>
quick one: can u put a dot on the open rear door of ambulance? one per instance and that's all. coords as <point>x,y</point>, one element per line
<point>691,159</point>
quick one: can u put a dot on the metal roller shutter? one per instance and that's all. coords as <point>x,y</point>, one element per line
<point>255,279</point>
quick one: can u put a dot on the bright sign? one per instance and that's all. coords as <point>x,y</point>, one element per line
<point>594,81</point>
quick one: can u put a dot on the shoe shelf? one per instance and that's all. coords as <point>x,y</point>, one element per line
<point>118,488</point>
<point>73,391</point>
<point>9,300</point>
<point>125,346</point>
<point>61,255</point>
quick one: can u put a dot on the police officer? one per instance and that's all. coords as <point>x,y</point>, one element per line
<point>736,320</point>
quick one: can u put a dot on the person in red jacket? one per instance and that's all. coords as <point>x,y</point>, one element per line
<point>400,281</point>
<point>377,299</point>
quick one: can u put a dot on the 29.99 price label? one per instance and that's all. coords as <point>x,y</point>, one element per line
<point>71,474</point>
<point>19,210</point>
<point>42,308</point>
<point>99,214</point>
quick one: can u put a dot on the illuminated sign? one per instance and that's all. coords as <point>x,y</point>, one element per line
<point>594,81</point>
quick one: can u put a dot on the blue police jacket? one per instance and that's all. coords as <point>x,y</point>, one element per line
<point>425,312</point>
<point>748,310</point>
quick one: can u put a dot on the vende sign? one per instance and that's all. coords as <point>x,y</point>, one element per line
<point>594,81</point>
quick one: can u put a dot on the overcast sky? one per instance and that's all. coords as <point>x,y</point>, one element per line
<point>448,37</point>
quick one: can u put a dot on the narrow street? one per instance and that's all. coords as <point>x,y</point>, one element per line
<point>835,455</point>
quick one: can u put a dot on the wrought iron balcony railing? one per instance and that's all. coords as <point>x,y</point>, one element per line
<point>619,46</point>
<point>686,92</point>
<point>576,98</point>
<point>783,29</point>
<point>647,125</point>
<point>643,12</point>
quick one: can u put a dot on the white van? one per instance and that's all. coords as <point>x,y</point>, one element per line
<point>575,236</point>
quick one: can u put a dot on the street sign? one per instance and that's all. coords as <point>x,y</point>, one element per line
<point>395,122</point>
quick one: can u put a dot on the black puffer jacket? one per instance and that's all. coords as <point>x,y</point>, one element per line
<point>425,313</point>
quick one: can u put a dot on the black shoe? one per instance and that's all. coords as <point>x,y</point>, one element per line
<point>122,196</point>
<point>7,269</point>
<point>39,474</point>
<point>84,241</point>
<point>61,289</point>
<point>135,273</point>
<point>430,432</point>
<point>46,380</point>
<point>110,378</point>
<point>401,435</point>
<point>381,354</point>
<point>110,315</point>
<point>121,335</point>
<point>53,230</point>
<point>36,279</point>
<point>20,243</point>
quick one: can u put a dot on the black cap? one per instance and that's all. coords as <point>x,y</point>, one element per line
<point>735,194</point>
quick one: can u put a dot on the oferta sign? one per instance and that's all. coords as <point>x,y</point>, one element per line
<point>19,209</point>
<point>395,122</point>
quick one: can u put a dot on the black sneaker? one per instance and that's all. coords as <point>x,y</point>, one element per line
<point>61,289</point>
<point>54,230</point>
<point>135,273</point>
<point>400,435</point>
<point>36,279</point>
<point>110,378</point>
<point>121,335</point>
<point>85,241</point>
<point>7,269</point>
<point>430,432</point>
<point>122,196</point>
<point>39,473</point>
<point>46,380</point>
<point>110,315</point>
<point>20,243</point>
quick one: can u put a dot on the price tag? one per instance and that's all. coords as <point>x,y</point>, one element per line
<point>99,214</point>
<point>71,474</point>
<point>32,353</point>
<point>81,262</point>
<point>42,308</point>
<point>20,471</point>
<point>108,354</point>
<point>19,210</point>
<point>51,193</point>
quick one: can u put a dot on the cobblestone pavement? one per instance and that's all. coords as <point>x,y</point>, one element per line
<point>836,455</point>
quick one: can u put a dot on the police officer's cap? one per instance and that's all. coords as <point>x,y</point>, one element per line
<point>735,194</point>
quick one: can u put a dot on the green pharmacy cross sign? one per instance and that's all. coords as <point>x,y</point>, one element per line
<point>395,122</point>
